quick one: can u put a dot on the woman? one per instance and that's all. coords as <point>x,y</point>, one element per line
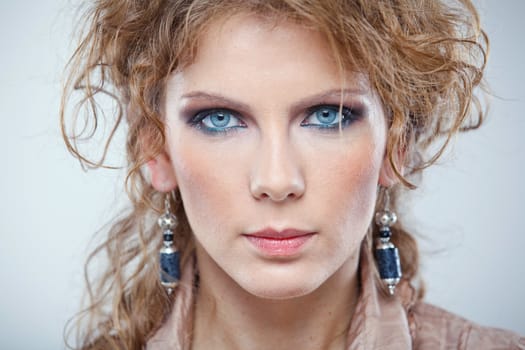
<point>274,140</point>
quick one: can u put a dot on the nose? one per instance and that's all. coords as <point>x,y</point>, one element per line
<point>277,174</point>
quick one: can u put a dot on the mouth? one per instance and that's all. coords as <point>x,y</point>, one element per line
<point>275,243</point>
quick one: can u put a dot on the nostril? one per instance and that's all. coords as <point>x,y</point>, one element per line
<point>278,193</point>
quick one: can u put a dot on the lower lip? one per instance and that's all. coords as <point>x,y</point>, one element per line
<point>279,246</point>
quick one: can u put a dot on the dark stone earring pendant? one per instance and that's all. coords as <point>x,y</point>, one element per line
<point>386,254</point>
<point>169,255</point>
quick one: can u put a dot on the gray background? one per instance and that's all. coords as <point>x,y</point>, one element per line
<point>469,209</point>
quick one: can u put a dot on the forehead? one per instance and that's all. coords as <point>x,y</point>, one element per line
<point>245,53</point>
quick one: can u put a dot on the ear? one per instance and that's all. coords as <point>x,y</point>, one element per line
<point>162,174</point>
<point>387,175</point>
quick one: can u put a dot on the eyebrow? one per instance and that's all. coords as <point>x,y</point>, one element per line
<point>299,105</point>
<point>216,98</point>
<point>320,98</point>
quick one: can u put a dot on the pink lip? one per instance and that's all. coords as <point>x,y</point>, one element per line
<point>279,243</point>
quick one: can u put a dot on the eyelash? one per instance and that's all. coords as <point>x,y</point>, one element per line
<point>347,117</point>
<point>197,121</point>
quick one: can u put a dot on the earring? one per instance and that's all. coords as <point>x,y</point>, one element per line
<point>169,255</point>
<point>386,253</point>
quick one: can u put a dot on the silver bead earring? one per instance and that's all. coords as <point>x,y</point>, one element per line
<point>169,255</point>
<point>386,253</point>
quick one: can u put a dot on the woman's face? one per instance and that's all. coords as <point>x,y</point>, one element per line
<point>278,186</point>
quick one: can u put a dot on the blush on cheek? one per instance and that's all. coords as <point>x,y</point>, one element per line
<point>207,187</point>
<point>362,176</point>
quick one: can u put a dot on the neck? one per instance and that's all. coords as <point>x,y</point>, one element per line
<point>228,317</point>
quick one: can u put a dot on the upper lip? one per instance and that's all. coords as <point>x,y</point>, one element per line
<point>275,234</point>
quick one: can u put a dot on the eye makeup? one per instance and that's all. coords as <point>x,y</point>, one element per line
<point>216,121</point>
<point>330,116</point>
<point>214,115</point>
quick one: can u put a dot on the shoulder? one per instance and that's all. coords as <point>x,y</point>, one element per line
<point>439,329</point>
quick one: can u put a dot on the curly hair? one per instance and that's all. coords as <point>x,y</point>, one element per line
<point>424,58</point>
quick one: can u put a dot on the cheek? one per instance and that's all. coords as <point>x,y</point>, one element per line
<point>208,184</point>
<point>362,179</point>
<point>348,186</point>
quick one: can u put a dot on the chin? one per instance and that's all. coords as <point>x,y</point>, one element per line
<point>281,285</point>
<point>280,292</point>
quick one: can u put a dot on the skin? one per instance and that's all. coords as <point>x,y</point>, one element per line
<point>271,169</point>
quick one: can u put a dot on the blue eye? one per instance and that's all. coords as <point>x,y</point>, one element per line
<point>216,121</point>
<point>326,116</point>
<point>329,117</point>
